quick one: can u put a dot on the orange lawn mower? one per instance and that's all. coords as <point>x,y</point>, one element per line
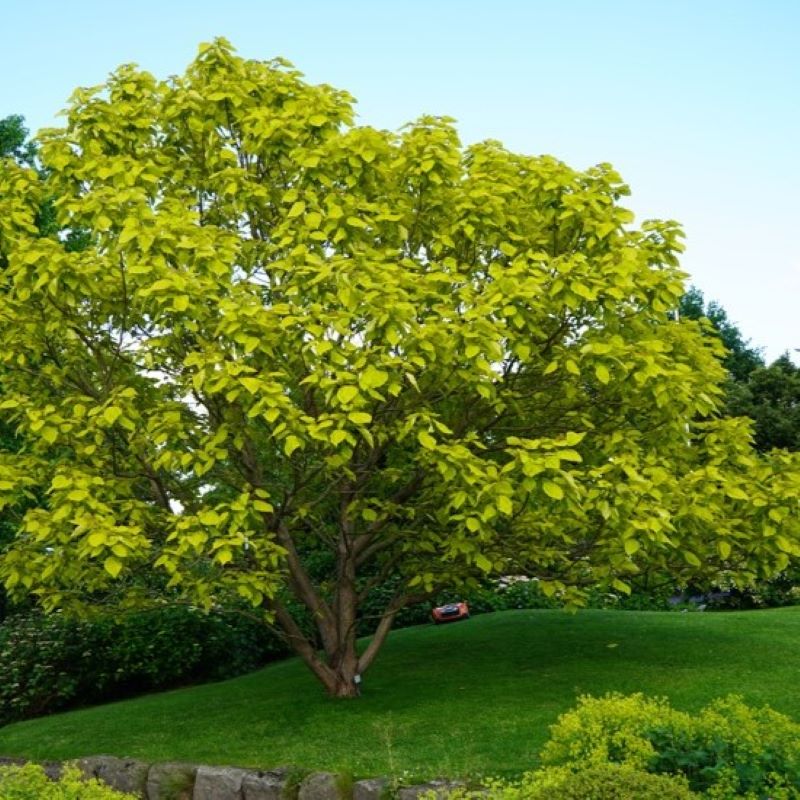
<point>452,612</point>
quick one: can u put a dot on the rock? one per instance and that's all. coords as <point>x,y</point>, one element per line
<point>218,783</point>
<point>370,789</point>
<point>440,790</point>
<point>321,786</point>
<point>275,784</point>
<point>124,774</point>
<point>52,769</point>
<point>171,781</point>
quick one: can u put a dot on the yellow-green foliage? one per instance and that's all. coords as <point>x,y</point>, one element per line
<point>606,782</point>
<point>639,748</point>
<point>29,782</point>
<point>727,750</point>
<point>598,782</point>
<point>612,728</point>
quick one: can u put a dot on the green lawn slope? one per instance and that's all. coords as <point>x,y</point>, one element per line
<point>470,698</point>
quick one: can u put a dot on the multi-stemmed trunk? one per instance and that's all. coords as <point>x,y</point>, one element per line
<point>337,663</point>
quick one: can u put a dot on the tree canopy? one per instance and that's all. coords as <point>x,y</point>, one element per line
<point>14,144</point>
<point>291,335</point>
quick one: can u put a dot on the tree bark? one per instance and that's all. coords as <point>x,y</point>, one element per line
<point>344,685</point>
<point>337,664</point>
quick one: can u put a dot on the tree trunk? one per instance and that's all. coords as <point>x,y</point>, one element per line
<point>337,671</point>
<point>344,685</point>
<point>337,665</point>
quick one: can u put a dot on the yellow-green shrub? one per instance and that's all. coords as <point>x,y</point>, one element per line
<point>29,782</point>
<point>728,750</point>
<point>638,748</point>
<point>597,782</point>
<point>605,782</point>
<point>611,728</point>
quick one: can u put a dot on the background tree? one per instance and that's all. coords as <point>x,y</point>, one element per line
<point>741,357</point>
<point>292,336</point>
<point>14,141</point>
<point>771,398</point>
<point>769,395</point>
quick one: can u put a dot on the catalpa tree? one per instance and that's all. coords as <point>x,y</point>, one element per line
<point>293,341</point>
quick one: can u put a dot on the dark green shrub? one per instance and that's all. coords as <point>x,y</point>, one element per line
<point>50,663</point>
<point>179,645</point>
<point>29,782</point>
<point>508,594</point>
<point>38,661</point>
<point>782,590</point>
<point>657,599</point>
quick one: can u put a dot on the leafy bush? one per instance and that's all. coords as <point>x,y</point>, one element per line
<point>639,748</point>
<point>607,782</point>
<point>510,593</point>
<point>599,782</point>
<point>640,599</point>
<point>782,590</point>
<point>612,728</point>
<point>726,751</point>
<point>49,663</point>
<point>29,782</point>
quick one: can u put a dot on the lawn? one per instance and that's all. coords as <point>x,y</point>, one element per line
<point>471,698</point>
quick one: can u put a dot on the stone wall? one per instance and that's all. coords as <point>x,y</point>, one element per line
<point>178,781</point>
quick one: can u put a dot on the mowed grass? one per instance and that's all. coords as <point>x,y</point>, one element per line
<point>467,699</point>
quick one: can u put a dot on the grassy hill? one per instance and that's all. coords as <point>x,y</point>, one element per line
<point>470,698</point>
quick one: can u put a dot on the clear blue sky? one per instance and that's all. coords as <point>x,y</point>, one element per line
<point>696,102</point>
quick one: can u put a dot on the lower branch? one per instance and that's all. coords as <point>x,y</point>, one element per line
<point>300,643</point>
<point>385,625</point>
